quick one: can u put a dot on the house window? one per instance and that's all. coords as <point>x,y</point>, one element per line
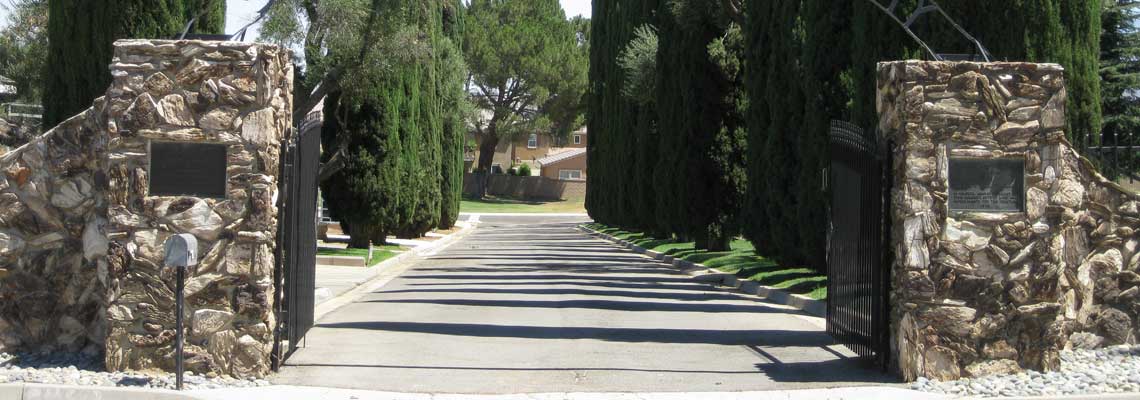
<point>577,139</point>
<point>532,141</point>
<point>570,174</point>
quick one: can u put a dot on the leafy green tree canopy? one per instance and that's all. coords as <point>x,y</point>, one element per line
<point>528,66</point>
<point>24,47</point>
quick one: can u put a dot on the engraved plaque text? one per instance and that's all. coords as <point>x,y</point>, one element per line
<point>987,185</point>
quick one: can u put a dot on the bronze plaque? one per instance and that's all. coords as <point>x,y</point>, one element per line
<point>987,185</point>
<point>188,169</point>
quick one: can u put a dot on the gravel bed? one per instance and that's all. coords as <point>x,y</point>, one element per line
<point>1110,370</point>
<point>83,369</point>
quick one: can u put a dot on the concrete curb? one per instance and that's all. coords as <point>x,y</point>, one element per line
<point>23,391</point>
<point>701,273</point>
<point>35,391</point>
<point>313,393</point>
<point>387,270</point>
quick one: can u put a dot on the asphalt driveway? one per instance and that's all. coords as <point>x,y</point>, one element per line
<point>530,304</point>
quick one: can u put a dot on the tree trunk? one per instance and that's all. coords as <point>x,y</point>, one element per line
<point>718,241</point>
<point>359,235</point>
<point>486,160</point>
<point>701,241</point>
<point>379,237</point>
<point>487,152</point>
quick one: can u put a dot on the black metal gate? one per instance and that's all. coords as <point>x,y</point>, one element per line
<point>858,268</point>
<point>295,275</point>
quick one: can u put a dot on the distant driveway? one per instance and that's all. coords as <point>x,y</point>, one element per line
<point>530,304</point>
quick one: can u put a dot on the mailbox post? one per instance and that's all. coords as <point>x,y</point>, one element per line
<point>181,253</point>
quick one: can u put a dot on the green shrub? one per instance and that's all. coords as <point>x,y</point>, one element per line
<point>524,170</point>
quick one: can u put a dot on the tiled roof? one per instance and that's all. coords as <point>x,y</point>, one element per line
<point>563,156</point>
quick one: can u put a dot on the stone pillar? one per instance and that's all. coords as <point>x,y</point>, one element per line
<point>978,293</point>
<point>233,94</point>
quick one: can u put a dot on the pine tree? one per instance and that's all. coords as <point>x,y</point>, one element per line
<point>527,70</point>
<point>89,28</point>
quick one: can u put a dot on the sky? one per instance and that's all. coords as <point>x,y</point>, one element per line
<point>240,12</point>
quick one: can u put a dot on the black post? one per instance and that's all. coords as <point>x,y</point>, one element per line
<point>179,299</point>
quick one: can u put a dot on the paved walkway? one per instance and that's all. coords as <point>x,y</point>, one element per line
<point>530,304</point>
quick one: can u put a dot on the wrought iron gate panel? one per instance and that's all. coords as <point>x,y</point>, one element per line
<point>295,274</point>
<point>857,260</point>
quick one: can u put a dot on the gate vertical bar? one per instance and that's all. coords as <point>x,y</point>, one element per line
<point>297,244</point>
<point>858,273</point>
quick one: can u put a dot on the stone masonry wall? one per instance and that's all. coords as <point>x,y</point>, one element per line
<point>983,293</point>
<point>231,93</point>
<point>81,239</point>
<point>53,273</point>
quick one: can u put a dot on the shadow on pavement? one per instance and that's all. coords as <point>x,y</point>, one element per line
<point>707,295</point>
<point>778,338</point>
<point>484,277</point>
<point>696,287</point>
<point>599,305</point>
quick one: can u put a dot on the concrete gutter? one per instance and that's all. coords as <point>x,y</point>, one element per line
<point>30,391</point>
<point>312,393</point>
<point>702,273</point>
<point>59,392</point>
<point>34,391</point>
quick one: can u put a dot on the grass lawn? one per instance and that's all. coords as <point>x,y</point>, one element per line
<point>379,253</point>
<point>742,261</point>
<point>505,205</point>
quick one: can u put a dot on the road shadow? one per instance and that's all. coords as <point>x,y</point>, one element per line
<point>483,277</point>
<point>702,287</point>
<point>611,305</point>
<point>706,296</point>
<point>766,338</point>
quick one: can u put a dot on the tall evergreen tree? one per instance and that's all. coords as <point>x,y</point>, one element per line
<point>361,194</point>
<point>80,37</point>
<point>423,126</point>
<point>774,118</point>
<point>699,107</point>
<point>1120,77</point>
<point>395,84</point>
<point>455,108</point>
<point>620,190</point>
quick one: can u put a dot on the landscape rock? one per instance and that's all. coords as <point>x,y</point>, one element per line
<point>199,220</point>
<point>207,321</point>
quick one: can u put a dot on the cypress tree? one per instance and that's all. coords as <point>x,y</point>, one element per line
<point>1120,74</point>
<point>678,58</point>
<point>362,194</point>
<point>825,28</point>
<point>424,128</point>
<point>620,191</point>
<point>700,123</point>
<point>798,79</point>
<point>774,122</point>
<point>81,34</point>
<point>453,98</point>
